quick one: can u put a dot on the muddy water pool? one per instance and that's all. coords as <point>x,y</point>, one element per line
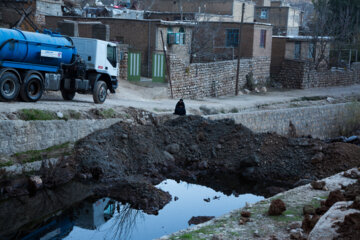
<point>108,219</point>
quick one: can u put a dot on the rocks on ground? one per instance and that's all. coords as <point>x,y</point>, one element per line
<point>199,219</point>
<point>277,207</point>
<point>338,217</point>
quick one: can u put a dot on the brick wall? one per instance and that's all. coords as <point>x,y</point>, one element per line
<point>300,74</point>
<point>198,80</point>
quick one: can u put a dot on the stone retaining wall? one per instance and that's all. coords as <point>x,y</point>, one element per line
<point>300,74</point>
<point>319,121</point>
<point>123,52</point>
<point>19,136</point>
<point>213,79</point>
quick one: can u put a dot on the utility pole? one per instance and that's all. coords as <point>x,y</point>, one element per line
<point>239,50</point>
<point>167,64</point>
<point>181,11</point>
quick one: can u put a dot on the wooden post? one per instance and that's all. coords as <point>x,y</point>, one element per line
<point>239,50</point>
<point>167,64</point>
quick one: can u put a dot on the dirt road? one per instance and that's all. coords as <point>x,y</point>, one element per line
<point>154,98</point>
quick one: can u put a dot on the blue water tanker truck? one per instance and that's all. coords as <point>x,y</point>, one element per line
<point>31,63</point>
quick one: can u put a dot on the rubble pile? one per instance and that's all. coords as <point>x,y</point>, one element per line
<point>338,217</point>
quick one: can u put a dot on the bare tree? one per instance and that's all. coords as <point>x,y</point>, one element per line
<point>328,28</point>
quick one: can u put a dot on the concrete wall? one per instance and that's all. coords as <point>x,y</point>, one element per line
<point>304,50</point>
<point>248,11</point>
<point>199,80</point>
<point>257,49</point>
<point>294,21</point>
<point>19,136</point>
<point>47,7</point>
<point>319,121</point>
<point>300,74</point>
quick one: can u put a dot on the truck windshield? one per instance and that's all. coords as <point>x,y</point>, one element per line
<point>111,55</point>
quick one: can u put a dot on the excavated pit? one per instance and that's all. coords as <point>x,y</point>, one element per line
<point>125,161</point>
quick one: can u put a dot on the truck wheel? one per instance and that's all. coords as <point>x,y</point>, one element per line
<point>67,95</point>
<point>100,92</point>
<point>32,89</point>
<point>9,86</point>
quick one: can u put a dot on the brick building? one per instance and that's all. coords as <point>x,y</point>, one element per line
<point>286,20</point>
<point>214,41</point>
<point>294,48</point>
<point>143,36</point>
<point>203,10</point>
<point>11,11</point>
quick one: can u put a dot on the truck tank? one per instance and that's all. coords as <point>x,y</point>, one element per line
<point>35,48</point>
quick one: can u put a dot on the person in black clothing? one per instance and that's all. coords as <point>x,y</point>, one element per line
<point>180,108</point>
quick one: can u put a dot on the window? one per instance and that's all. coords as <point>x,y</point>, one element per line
<point>264,13</point>
<point>182,35</point>
<point>232,37</point>
<point>311,50</point>
<point>111,55</point>
<point>262,38</point>
<point>297,50</point>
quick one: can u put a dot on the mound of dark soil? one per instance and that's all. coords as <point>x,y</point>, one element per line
<point>219,154</point>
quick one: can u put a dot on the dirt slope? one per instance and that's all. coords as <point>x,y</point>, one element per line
<point>220,154</point>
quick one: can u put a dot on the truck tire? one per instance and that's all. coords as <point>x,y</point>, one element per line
<point>9,86</point>
<point>100,92</point>
<point>32,88</point>
<point>67,95</point>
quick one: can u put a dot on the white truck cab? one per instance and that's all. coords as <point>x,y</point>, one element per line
<point>98,55</point>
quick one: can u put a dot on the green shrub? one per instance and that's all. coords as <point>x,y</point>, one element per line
<point>108,113</point>
<point>6,164</point>
<point>36,114</point>
<point>234,110</point>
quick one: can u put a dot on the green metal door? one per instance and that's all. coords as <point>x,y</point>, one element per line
<point>134,66</point>
<point>158,69</point>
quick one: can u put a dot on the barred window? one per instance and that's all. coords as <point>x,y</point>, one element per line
<point>232,37</point>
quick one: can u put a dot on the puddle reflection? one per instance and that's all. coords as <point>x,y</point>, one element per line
<point>107,219</point>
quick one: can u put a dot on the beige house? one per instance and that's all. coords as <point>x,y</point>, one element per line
<point>286,19</point>
<point>295,48</point>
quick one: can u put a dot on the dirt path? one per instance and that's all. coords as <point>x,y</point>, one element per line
<point>154,98</point>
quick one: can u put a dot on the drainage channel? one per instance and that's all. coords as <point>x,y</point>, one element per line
<point>108,219</point>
